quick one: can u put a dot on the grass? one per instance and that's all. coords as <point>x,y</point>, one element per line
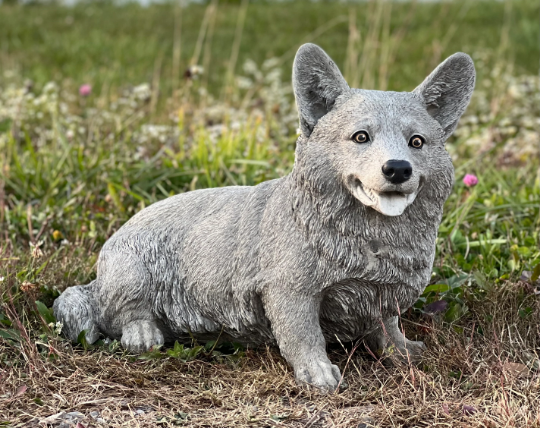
<point>113,47</point>
<point>73,169</point>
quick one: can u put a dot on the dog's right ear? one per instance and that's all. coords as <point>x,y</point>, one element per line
<point>317,83</point>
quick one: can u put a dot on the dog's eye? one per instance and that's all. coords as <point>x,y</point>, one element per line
<point>417,141</point>
<point>360,137</point>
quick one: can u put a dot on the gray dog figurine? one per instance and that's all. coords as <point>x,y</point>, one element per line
<point>333,251</point>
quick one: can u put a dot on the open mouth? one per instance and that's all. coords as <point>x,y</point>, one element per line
<point>387,203</point>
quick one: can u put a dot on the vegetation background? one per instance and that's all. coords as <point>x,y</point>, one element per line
<point>106,108</point>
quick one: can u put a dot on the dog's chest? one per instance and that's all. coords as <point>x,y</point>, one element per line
<point>388,281</point>
<point>397,261</point>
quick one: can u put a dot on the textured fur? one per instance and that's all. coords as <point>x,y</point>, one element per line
<point>298,261</point>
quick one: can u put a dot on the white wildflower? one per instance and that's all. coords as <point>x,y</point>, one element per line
<point>250,67</point>
<point>142,92</point>
<point>270,63</point>
<point>195,71</point>
<point>50,88</point>
<point>58,327</point>
<point>244,82</point>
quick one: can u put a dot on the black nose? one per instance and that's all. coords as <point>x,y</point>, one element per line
<point>397,171</point>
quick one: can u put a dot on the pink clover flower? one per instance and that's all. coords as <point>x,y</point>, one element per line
<point>85,90</point>
<point>470,180</point>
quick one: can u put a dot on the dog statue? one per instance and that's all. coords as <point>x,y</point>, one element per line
<point>332,251</point>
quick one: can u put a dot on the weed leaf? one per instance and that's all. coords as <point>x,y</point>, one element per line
<point>45,312</point>
<point>437,288</point>
<point>535,273</point>
<point>10,334</point>
<point>81,339</point>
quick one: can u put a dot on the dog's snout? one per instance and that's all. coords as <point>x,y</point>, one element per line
<point>397,171</point>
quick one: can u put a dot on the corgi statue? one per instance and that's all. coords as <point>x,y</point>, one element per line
<point>332,251</point>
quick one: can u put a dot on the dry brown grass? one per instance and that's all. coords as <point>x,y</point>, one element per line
<point>479,372</point>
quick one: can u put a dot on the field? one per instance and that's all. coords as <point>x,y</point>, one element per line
<point>183,98</point>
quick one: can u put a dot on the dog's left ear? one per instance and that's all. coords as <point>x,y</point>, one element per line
<point>317,83</point>
<point>446,92</point>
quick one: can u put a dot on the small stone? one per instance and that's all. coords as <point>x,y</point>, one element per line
<point>367,422</point>
<point>74,415</point>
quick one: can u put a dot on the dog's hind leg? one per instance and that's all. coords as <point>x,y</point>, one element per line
<point>141,335</point>
<point>77,310</point>
<point>127,299</point>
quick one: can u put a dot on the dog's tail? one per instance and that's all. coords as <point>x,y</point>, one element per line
<point>77,310</point>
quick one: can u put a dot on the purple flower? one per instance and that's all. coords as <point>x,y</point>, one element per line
<point>470,180</point>
<point>85,90</point>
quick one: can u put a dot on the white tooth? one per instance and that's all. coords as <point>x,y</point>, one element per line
<point>362,195</point>
<point>410,198</point>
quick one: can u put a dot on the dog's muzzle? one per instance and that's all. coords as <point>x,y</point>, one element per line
<point>390,203</point>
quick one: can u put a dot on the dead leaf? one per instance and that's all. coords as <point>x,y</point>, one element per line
<point>52,418</point>
<point>469,410</point>
<point>525,275</point>
<point>356,410</point>
<point>516,369</point>
<point>21,390</point>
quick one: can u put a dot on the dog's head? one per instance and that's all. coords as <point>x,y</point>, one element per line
<point>384,146</point>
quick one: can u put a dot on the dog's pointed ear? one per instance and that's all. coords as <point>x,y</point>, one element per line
<point>446,92</point>
<point>317,83</point>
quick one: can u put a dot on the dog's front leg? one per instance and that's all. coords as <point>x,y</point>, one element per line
<point>388,340</point>
<point>295,324</point>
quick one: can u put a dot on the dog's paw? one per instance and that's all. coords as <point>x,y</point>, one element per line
<point>321,374</point>
<point>415,349</point>
<point>140,336</point>
<point>408,352</point>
